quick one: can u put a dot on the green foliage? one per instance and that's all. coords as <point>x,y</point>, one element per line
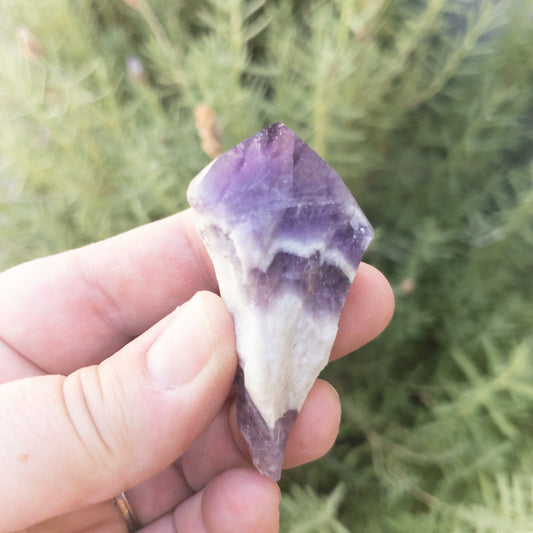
<point>304,511</point>
<point>423,106</point>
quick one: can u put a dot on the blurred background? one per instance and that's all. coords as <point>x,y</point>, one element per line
<point>424,107</point>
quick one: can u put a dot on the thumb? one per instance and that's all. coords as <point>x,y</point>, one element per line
<point>67,442</point>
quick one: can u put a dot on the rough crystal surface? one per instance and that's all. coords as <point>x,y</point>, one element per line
<point>286,237</point>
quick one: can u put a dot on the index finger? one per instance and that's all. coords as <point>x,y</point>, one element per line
<point>79,307</point>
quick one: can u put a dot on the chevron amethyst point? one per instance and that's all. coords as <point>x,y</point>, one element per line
<point>286,238</point>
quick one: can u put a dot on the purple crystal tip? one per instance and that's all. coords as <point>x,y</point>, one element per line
<point>275,173</point>
<point>286,237</point>
<point>267,446</point>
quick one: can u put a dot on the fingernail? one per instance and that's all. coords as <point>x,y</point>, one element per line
<point>184,348</point>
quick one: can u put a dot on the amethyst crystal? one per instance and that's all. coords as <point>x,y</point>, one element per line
<point>286,238</point>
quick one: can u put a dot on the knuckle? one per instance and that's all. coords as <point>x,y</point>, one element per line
<point>99,297</point>
<point>91,407</point>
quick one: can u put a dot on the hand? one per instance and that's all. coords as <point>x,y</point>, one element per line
<point>146,404</point>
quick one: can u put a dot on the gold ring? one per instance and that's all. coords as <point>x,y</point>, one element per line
<point>124,508</point>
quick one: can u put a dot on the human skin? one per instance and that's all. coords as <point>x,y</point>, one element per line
<point>116,369</point>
